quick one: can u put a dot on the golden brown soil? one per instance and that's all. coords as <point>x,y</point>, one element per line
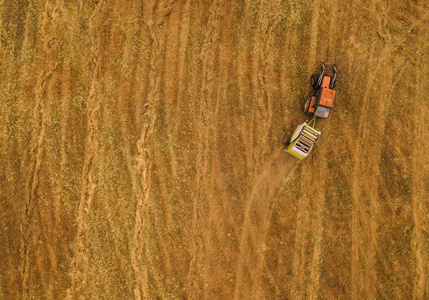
<point>141,155</point>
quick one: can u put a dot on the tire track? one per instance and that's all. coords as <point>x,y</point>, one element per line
<point>140,256</point>
<point>280,176</point>
<point>359,190</point>
<point>420,210</point>
<point>261,71</point>
<point>79,265</point>
<point>254,159</point>
<point>197,274</point>
<point>126,149</point>
<point>143,175</point>
<point>276,170</point>
<point>65,97</point>
<point>246,127</point>
<point>317,192</point>
<point>29,232</point>
<point>140,286</point>
<point>313,34</point>
<point>359,215</point>
<point>165,170</point>
<point>110,210</point>
<point>26,228</point>
<point>300,245</point>
<point>263,46</point>
<point>246,95</point>
<point>112,195</point>
<point>318,229</point>
<point>137,89</point>
<point>332,8</point>
<point>136,251</point>
<point>48,259</point>
<point>176,94</point>
<point>118,187</point>
<point>10,229</point>
<point>353,36</point>
<point>217,241</point>
<point>400,281</point>
<point>217,91</point>
<point>356,268</point>
<point>265,78</point>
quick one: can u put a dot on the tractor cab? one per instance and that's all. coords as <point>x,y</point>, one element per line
<point>320,104</point>
<point>303,139</point>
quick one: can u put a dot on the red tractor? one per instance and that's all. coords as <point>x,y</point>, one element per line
<point>320,104</point>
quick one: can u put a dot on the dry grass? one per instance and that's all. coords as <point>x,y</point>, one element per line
<point>140,145</point>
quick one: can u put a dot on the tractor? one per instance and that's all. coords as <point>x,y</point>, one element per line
<point>320,103</point>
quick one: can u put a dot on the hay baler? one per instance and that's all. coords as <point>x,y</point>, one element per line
<point>303,139</point>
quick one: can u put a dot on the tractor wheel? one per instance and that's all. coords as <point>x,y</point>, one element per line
<point>307,105</point>
<point>313,81</point>
<point>286,141</point>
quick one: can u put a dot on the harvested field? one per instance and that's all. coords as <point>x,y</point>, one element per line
<point>141,154</point>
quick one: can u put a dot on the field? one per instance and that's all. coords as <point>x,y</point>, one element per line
<point>141,150</point>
